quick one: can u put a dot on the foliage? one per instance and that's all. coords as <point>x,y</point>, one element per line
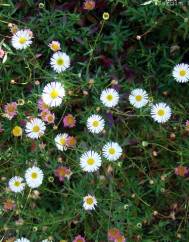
<point>128,191</point>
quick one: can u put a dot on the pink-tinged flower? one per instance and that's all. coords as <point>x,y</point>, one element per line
<point>121,238</point>
<point>181,171</point>
<point>89,5</point>
<point>71,141</point>
<point>49,118</point>
<point>79,238</point>
<point>69,121</point>
<point>30,33</point>
<point>41,105</point>
<point>113,234</point>
<point>9,205</point>
<point>10,110</point>
<point>187,125</point>
<point>61,172</point>
<point>2,53</point>
<point>55,46</point>
<point>43,114</point>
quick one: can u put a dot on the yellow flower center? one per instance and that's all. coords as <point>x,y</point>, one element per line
<point>34,175</point>
<point>36,128</point>
<point>70,120</point>
<point>182,72</point>
<point>62,141</point>
<point>17,183</point>
<point>96,123</point>
<point>54,94</point>
<point>90,161</point>
<point>55,46</point>
<point>161,112</point>
<point>109,97</point>
<point>50,118</point>
<point>138,98</point>
<point>17,131</point>
<point>112,151</point>
<point>10,109</point>
<point>89,200</point>
<point>60,61</point>
<point>22,40</point>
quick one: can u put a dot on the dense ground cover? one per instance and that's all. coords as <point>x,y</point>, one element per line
<point>142,192</point>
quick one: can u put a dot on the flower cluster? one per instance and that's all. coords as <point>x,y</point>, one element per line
<point>33,178</point>
<point>86,148</point>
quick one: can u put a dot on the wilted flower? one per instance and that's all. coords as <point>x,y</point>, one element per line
<point>105,16</point>
<point>69,121</point>
<point>9,205</point>
<point>12,239</point>
<point>13,28</point>
<point>181,171</point>
<point>61,172</point>
<point>21,102</point>
<point>10,110</point>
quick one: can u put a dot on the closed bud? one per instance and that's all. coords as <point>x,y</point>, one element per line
<point>155,213</point>
<point>70,93</point>
<point>165,93</point>
<point>145,143</point>
<point>13,82</point>
<point>114,82</point>
<point>179,236</point>
<point>172,136</point>
<point>151,182</point>
<point>85,93</point>
<point>154,153</point>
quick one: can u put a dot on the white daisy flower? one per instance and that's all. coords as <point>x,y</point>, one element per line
<point>53,94</point>
<point>60,61</point>
<point>181,73</point>
<point>109,97</point>
<point>112,151</point>
<point>95,124</point>
<point>16,184</point>
<point>138,98</point>
<point>35,128</point>
<point>90,161</point>
<point>22,240</point>
<point>22,39</point>
<point>161,112</point>
<point>89,202</point>
<point>60,141</point>
<point>34,177</point>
